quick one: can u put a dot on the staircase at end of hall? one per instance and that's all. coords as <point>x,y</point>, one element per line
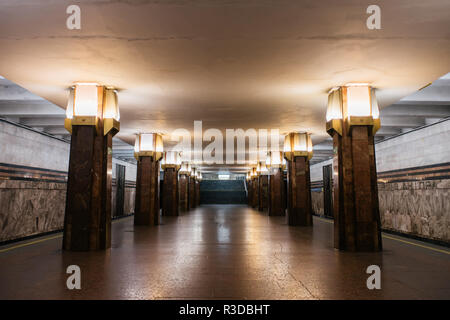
<point>223,192</point>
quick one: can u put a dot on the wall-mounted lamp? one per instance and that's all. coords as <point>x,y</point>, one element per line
<point>298,144</point>
<point>171,159</point>
<point>355,104</point>
<point>199,176</point>
<point>87,101</point>
<point>148,145</point>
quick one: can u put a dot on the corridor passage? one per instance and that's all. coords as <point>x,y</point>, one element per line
<point>223,252</point>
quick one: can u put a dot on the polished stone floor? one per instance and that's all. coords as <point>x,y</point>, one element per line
<point>224,252</point>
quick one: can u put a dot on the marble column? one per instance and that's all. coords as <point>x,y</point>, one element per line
<point>263,199</point>
<point>255,191</point>
<point>357,225</point>
<point>249,192</point>
<point>284,194</point>
<point>87,220</point>
<point>192,201</point>
<point>197,192</point>
<point>147,192</point>
<point>353,119</point>
<point>276,192</point>
<point>170,192</point>
<point>299,211</point>
<point>184,192</point>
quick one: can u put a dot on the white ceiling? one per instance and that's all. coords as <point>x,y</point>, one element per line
<point>232,64</point>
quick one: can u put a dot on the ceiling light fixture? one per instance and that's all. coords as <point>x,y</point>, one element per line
<point>298,144</point>
<point>354,104</point>
<point>148,145</point>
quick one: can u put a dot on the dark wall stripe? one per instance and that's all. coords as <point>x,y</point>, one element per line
<point>430,172</point>
<point>31,168</point>
<point>30,174</point>
<point>32,179</point>
<point>416,168</point>
<point>25,173</point>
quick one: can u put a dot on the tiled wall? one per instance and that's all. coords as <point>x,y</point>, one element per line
<point>25,147</point>
<point>422,147</point>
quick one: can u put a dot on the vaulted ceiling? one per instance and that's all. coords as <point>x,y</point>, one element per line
<point>232,64</point>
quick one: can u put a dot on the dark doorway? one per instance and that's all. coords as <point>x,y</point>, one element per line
<point>120,189</point>
<point>327,191</point>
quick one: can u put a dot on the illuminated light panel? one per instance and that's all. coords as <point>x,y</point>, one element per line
<point>86,99</point>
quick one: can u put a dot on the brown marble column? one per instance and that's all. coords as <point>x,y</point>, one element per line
<point>192,201</point>
<point>249,192</point>
<point>87,220</point>
<point>255,192</point>
<point>357,225</point>
<point>170,192</point>
<point>197,193</point>
<point>263,200</point>
<point>157,205</point>
<point>183,183</point>
<point>299,211</point>
<point>353,119</point>
<point>276,193</point>
<point>147,192</point>
<point>284,194</point>
<point>105,209</point>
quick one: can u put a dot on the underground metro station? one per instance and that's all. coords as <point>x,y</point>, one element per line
<point>249,150</point>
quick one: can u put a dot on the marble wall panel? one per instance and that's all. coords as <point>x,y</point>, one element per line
<point>317,202</point>
<point>30,207</point>
<point>33,207</point>
<point>418,208</point>
<point>128,203</point>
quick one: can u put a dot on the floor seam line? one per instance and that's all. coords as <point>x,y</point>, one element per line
<point>289,272</point>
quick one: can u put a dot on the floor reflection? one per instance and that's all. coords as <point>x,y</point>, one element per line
<point>223,252</point>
